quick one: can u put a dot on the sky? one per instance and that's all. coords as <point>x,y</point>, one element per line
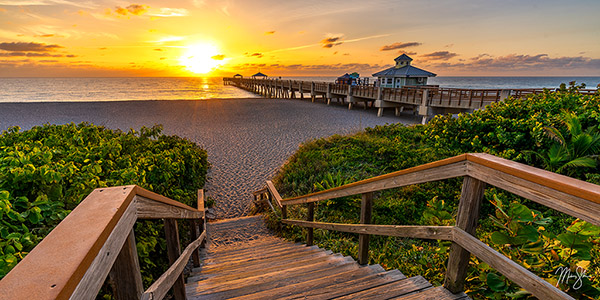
<point>68,38</point>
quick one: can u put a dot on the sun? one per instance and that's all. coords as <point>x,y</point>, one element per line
<point>201,58</point>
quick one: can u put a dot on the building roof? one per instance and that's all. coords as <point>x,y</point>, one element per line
<point>403,57</point>
<point>259,74</point>
<point>406,71</point>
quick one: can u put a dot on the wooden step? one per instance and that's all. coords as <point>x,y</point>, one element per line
<point>272,280</point>
<point>246,266</point>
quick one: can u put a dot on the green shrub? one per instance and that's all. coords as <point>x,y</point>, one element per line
<point>47,170</point>
<point>531,234</point>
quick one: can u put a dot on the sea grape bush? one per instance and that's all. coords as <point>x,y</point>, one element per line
<point>545,241</point>
<point>47,170</point>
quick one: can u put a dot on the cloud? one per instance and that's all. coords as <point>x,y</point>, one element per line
<point>170,12</point>
<point>270,32</point>
<point>218,57</point>
<point>331,41</point>
<point>84,4</point>
<point>33,47</point>
<point>255,54</point>
<point>134,9</point>
<point>407,52</point>
<point>521,63</point>
<point>438,55</point>
<point>28,54</point>
<point>158,49</point>
<point>46,35</point>
<point>400,45</point>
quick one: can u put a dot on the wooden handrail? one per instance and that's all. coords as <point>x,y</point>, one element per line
<point>75,258</point>
<point>568,195</point>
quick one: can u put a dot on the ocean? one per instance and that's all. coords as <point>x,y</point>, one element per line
<point>196,88</point>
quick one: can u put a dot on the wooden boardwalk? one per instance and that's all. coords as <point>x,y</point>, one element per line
<point>425,101</point>
<point>271,268</point>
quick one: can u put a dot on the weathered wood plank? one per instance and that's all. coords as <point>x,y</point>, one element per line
<point>290,255</point>
<point>438,293</point>
<point>160,198</point>
<point>244,286</point>
<point>174,253</point>
<point>125,276</point>
<point>160,288</point>
<point>564,202</point>
<point>151,209</point>
<point>293,290</point>
<point>551,180</point>
<point>513,271</point>
<point>58,263</point>
<point>310,216</point>
<point>392,289</point>
<point>250,258</point>
<point>96,273</point>
<point>238,273</point>
<point>443,169</point>
<point>371,280</point>
<point>274,192</point>
<point>468,215</point>
<point>419,232</point>
<point>366,208</point>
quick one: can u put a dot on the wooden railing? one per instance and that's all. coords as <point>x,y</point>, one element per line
<point>571,196</point>
<point>96,240</point>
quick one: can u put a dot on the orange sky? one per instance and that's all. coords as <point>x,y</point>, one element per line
<point>302,38</point>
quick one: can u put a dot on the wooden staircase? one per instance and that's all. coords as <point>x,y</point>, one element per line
<point>255,266</point>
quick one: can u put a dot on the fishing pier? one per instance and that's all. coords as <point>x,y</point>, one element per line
<point>425,101</point>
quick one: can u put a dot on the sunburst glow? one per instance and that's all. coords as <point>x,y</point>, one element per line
<point>201,58</point>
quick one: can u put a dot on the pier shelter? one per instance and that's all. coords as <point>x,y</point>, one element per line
<point>259,75</point>
<point>402,74</point>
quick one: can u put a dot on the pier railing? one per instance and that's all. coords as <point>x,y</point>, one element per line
<point>96,240</point>
<point>571,196</point>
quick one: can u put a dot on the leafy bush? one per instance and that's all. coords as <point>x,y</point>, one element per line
<point>535,236</point>
<point>46,171</point>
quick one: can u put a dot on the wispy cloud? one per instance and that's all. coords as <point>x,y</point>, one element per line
<point>170,12</point>
<point>30,47</point>
<point>83,4</point>
<point>331,41</point>
<point>255,54</point>
<point>270,32</point>
<point>438,55</point>
<point>133,9</point>
<point>399,45</point>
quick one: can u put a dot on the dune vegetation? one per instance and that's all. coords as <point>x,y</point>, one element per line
<point>557,130</point>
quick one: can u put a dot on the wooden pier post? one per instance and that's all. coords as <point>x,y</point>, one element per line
<point>328,94</point>
<point>312,91</point>
<point>424,109</point>
<point>349,97</point>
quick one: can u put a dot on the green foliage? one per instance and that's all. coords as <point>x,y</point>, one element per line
<point>570,155</point>
<point>532,235</point>
<point>46,171</point>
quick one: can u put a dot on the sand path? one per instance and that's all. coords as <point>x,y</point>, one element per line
<point>247,139</point>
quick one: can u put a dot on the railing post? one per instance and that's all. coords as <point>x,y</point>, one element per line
<point>366,207</point>
<point>310,216</point>
<point>468,214</point>
<point>194,234</point>
<point>125,276</point>
<point>173,251</point>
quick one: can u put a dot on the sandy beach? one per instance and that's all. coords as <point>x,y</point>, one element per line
<point>247,139</point>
